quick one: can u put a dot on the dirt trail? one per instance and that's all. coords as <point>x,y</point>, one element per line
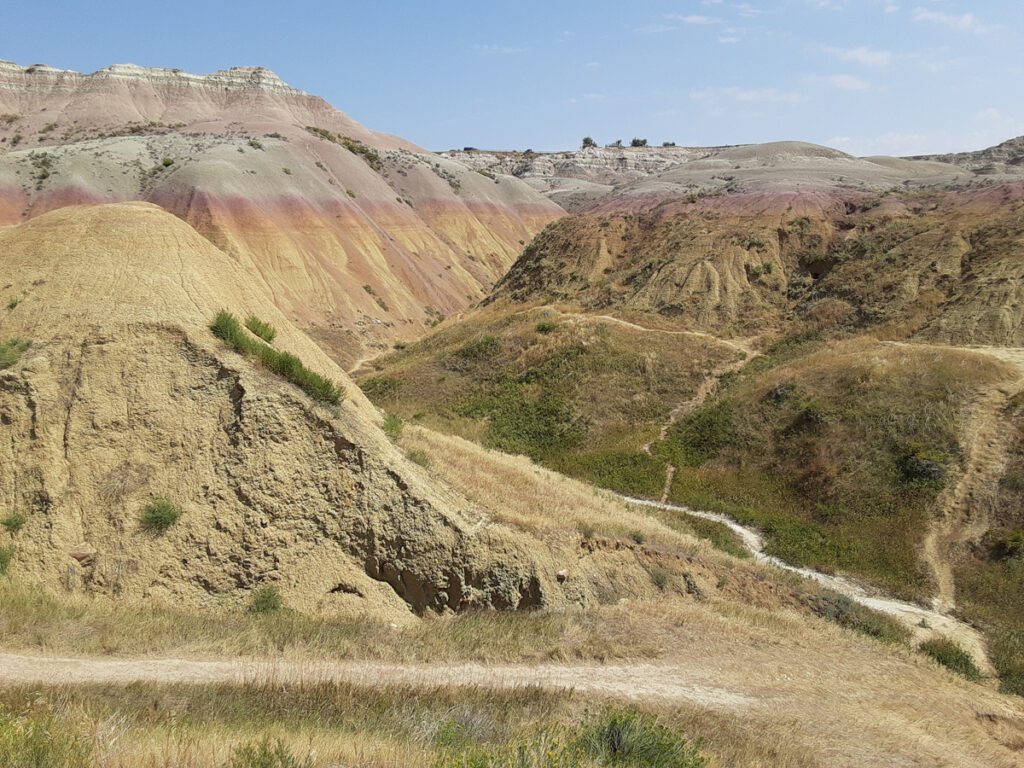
<point>637,681</point>
<point>923,622</point>
<point>960,518</point>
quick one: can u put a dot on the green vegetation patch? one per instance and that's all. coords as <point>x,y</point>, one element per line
<point>11,350</point>
<point>951,656</point>
<point>286,365</point>
<point>264,330</point>
<point>14,522</point>
<point>356,147</point>
<point>6,556</point>
<point>159,515</point>
<point>846,613</point>
<point>39,741</point>
<point>266,599</point>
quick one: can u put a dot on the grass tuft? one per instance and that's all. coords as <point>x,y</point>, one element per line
<point>266,599</point>
<point>159,514</point>
<point>627,738</point>
<point>6,555</point>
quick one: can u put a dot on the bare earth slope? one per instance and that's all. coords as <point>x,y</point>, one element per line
<point>362,237</point>
<point>125,395</point>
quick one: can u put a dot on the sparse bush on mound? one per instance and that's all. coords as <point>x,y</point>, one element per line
<point>546,326</point>
<point>262,329</point>
<point>267,754</point>
<point>11,350</point>
<point>226,327</point>
<point>266,599</point>
<point>159,514</point>
<point>951,656</point>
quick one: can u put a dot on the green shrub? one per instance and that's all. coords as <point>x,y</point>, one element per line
<point>625,738</point>
<point>11,350</point>
<point>638,536</point>
<point>264,754</point>
<point>6,555</point>
<point>262,329</point>
<point>1005,544</point>
<point>159,514</point>
<point>13,303</point>
<point>266,599</point>
<point>226,327</point>
<point>393,425</point>
<point>14,522</point>
<point>951,656</point>
<point>39,741</point>
<point>546,326</point>
<point>168,162</point>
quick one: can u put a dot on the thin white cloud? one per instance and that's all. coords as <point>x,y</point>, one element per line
<point>695,19</point>
<point>747,95</point>
<point>654,29</point>
<point>863,55</point>
<point>966,22</point>
<point>500,49</point>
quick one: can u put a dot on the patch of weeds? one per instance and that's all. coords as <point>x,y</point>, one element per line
<point>637,537</point>
<point>419,457</point>
<point>660,577</point>
<point>587,531</point>
<point>159,514</point>
<point>264,330</point>
<point>286,365</point>
<point>167,162</point>
<point>951,656</point>
<point>380,387</point>
<point>266,599</point>
<point>700,436</point>
<point>40,741</point>
<point>6,555</point>
<point>12,303</point>
<point>14,522</point>
<point>546,326</point>
<point>393,425</point>
<point>626,738</point>
<point>846,613</point>
<point>479,349</point>
<point>267,754</point>
<point>11,350</point>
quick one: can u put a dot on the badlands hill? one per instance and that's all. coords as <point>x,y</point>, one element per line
<point>359,238</point>
<point>125,395</point>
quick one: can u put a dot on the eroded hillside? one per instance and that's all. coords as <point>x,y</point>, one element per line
<point>360,238</point>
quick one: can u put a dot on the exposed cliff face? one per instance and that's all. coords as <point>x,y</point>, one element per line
<point>1006,159</point>
<point>360,238</point>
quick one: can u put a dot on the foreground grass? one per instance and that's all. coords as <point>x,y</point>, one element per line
<point>251,726</point>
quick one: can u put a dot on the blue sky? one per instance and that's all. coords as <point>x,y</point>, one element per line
<point>866,76</point>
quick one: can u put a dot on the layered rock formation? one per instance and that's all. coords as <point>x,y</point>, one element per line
<point>125,395</point>
<point>360,238</point>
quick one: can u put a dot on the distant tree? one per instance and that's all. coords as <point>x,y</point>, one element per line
<point>616,143</point>
<point>588,142</point>
<point>638,143</point>
<point>668,143</point>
